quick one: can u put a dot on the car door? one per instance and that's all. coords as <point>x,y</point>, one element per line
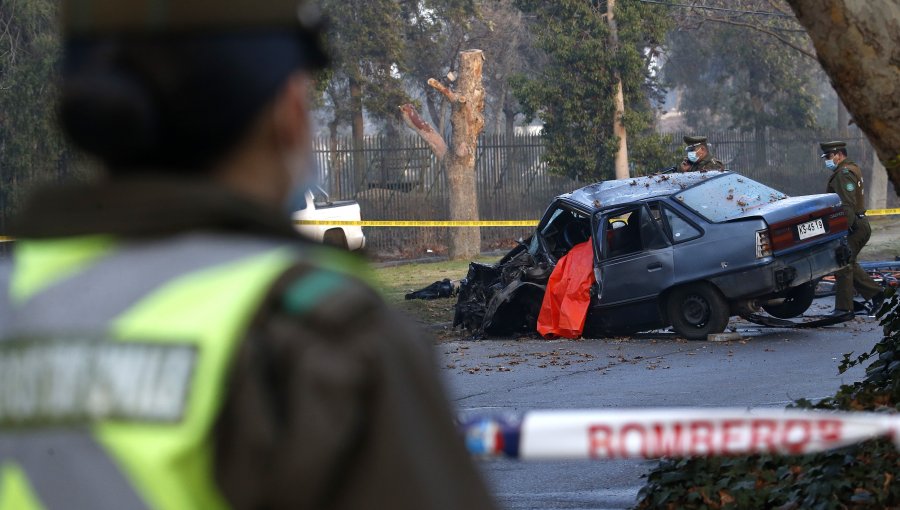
<point>635,265</point>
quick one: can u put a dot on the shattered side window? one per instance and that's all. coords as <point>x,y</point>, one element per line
<point>728,197</point>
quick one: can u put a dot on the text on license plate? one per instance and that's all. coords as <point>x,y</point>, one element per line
<point>810,229</point>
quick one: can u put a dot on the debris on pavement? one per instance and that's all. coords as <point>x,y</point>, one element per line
<point>440,289</point>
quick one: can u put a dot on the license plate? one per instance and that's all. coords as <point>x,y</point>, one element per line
<point>810,229</point>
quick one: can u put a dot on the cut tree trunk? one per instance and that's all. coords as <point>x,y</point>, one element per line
<point>467,119</point>
<point>468,122</point>
<point>856,42</point>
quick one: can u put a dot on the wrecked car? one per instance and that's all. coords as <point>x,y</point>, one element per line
<point>687,250</point>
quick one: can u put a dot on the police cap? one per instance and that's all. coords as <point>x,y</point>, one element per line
<point>693,141</point>
<point>87,19</point>
<point>831,147</point>
<point>101,17</point>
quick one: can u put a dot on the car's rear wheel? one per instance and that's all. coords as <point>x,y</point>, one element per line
<point>796,301</point>
<point>697,310</point>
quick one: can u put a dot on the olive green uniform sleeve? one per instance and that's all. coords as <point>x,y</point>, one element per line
<point>334,403</point>
<point>710,163</point>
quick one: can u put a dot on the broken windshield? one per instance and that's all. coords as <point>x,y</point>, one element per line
<point>728,197</point>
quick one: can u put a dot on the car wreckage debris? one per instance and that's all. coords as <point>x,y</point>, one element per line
<point>817,322</point>
<point>440,289</point>
<point>503,298</point>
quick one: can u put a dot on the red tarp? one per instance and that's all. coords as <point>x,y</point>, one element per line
<point>568,294</point>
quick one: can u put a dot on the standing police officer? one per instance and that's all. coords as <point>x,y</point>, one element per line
<point>166,340</point>
<point>846,180</point>
<point>697,156</point>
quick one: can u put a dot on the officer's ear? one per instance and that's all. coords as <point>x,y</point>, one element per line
<point>291,112</point>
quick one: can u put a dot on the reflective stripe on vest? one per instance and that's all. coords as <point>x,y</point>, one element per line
<point>132,350</point>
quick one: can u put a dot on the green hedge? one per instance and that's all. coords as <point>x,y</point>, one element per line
<point>855,477</point>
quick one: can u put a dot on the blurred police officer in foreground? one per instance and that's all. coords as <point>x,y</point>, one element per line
<point>168,340</point>
<point>846,180</point>
<point>697,157</point>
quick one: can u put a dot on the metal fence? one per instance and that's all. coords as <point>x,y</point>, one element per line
<point>397,178</point>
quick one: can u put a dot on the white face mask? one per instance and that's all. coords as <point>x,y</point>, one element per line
<point>692,156</point>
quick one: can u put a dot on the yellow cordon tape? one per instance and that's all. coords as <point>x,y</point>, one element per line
<point>482,223</point>
<point>454,223</point>
<point>882,212</point>
<point>447,223</point>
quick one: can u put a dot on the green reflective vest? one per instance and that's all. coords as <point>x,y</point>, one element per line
<point>113,362</point>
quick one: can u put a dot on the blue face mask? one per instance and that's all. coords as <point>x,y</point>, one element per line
<point>829,164</point>
<point>692,156</point>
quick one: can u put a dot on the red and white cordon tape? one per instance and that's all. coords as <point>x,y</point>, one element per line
<point>671,432</point>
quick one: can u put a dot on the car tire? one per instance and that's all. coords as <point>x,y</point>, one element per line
<point>697,310</point>
<point>335,237</point>
<point>796,301</point>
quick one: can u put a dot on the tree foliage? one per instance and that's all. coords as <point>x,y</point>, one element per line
<point>743,71</point>
<point>381,46</point>
<point>31,147</point>
<point>573,94</point>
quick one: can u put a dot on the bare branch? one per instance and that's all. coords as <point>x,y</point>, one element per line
<point>449,94</point>
<point>424,130</point>
<point>768,32</point>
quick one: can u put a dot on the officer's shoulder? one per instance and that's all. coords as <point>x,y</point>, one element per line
<point>322,291</point>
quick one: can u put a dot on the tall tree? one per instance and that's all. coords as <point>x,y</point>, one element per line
<point>575,94</point>
<point>459,157</point>
<point>857,42</point>
<point>436,31</point>
<point>742,65</point>
<point>619,130</point>
<point>366,40</point>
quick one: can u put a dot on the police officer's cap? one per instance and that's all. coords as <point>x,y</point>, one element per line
<point>694,141</point>
<point>831,147</point>
<point>93,18</point>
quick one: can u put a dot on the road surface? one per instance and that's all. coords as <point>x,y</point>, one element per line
<point>768,368</point>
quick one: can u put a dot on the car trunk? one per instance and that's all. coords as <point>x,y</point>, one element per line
<point>800,221</point>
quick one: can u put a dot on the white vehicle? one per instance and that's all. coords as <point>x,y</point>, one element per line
<point>315,205</point>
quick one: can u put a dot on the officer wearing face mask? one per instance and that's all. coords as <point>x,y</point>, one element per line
<point>846,180</point>
<point>697,156</point>
<point>166,338</point>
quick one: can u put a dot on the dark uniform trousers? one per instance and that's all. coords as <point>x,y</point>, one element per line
<point>851,277</point>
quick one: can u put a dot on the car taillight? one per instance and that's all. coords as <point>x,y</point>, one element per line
<point>763,244</point>
<point>837,222</point>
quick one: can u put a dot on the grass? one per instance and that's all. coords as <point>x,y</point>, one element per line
<point>396,281</point>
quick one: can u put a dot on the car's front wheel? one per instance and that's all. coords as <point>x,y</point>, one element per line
<point>697,310</point>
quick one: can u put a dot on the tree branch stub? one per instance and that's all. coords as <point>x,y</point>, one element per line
<point>415,122</point>
<point>449,94</point>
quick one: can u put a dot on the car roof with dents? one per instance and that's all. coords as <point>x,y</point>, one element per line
<point>604,194</point>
